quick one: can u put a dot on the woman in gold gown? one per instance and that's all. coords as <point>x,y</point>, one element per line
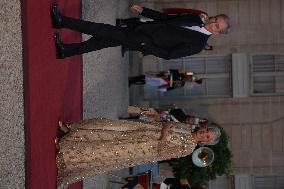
<point>100,145</point>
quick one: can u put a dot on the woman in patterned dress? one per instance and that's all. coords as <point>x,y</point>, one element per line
<point>101,145</point>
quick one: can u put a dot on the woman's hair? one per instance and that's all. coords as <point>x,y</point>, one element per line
<point>216,136</point>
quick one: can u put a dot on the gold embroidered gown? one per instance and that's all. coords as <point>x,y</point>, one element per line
<point>102,145</point>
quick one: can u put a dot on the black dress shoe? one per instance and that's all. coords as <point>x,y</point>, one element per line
<point>118,22</point>
<point>56,16</point>
<point>59,46</point>
<point>123,50</point>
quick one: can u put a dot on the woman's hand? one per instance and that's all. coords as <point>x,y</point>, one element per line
<point>167,127</point>
<point>136,8</point>
<point>152,113</point>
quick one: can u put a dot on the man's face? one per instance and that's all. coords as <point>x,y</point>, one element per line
<point>216,24</point>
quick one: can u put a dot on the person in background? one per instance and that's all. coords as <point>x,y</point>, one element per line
<point>175,183</point>
<point>148,114</point>
<point>182,117</point>
<point>166,81</point>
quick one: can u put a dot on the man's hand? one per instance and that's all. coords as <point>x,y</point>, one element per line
<point>136,8</point>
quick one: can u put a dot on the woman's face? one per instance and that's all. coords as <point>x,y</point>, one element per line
<point>204,135</point>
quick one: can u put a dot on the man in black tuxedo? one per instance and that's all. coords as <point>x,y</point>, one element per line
<point>135,21</point>
<point>166,37</point>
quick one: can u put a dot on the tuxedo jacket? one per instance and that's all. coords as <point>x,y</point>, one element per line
<point>168,37</point>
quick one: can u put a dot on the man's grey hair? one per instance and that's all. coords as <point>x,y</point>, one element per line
<point>227,20</point>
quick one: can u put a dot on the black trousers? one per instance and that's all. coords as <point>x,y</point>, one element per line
<point>129,22</point>
<point>104,35</point>
<point>140,79</point>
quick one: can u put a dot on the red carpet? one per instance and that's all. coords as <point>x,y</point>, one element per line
<point>52,89</point>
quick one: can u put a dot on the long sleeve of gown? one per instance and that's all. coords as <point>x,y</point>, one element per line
<point>179,143</point>
<point>102,145</point>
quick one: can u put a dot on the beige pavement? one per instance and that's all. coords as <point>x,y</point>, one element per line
<point>105,86</point>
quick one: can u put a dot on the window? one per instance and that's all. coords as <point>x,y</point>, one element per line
<point>269,182</point>
<point>267,74</point>
<point>215,71</point>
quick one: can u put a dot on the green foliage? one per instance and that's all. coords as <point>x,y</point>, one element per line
<point>184,168</point>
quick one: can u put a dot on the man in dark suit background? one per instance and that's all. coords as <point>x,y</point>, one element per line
<point>172,114</point>
<point>182,117</point>
<point>166,37</point>
<point>175,183</point>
